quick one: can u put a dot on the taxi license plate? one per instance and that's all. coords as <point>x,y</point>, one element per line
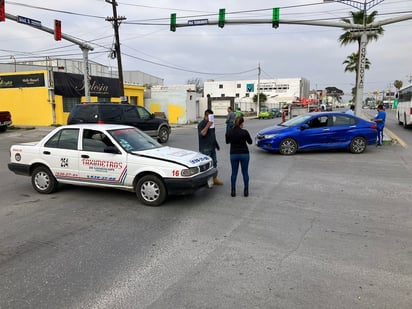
<point>210,182</point>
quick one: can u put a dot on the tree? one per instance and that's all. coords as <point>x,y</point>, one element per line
<point>360,18</point>
<point>335,93</point>
<point>351,63</point>
<point>398,84</point>
<point>262,98</point>
<point>198,83</point>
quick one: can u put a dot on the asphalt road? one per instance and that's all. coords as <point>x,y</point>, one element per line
<point>318,230</point>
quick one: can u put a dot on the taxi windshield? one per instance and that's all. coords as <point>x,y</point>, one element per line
<point>132,139</point>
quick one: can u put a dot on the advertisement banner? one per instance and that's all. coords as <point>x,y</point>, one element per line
<point>22,80</point>
<point>72,85</point>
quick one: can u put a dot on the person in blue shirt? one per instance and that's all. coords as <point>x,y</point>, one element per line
<point>380,118</point>
<point>351,110</point>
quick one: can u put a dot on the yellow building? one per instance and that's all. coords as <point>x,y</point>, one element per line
<point>44,98</point>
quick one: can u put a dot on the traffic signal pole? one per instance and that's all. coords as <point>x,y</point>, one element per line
<point>361,30</point>
<point>83,46</point>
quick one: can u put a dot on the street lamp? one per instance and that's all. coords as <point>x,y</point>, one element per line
<point>360,73</point>
<point>240,103</point>
<point>15,63</point>
<point>274,100</point>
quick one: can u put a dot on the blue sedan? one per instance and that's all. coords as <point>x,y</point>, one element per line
<point>320,130</point>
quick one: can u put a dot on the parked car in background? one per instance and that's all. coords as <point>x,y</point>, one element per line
<point>276,112</point>
<point>264,113</point>
<point>127,114</point>
<point>269,113</point>
<point>316,131</point>
<point>111,156</point>
<point>5,120</point>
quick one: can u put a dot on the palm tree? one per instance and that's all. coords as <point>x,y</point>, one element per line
<point>351,63</point>
<point>398,84</point>
<point>360,18</point>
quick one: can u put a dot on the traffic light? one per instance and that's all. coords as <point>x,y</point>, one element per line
<point>57,30</point>
<point>221,22</point>
<point>2,11</point>
<point>275,18</point>
<point>173,22</point>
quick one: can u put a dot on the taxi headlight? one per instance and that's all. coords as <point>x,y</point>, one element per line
<point>190,171</point>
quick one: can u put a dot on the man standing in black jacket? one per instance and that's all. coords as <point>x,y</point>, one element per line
<point>207,140</point>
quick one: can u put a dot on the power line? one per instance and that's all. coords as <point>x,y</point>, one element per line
<point>187,70</point>
<point>53,10</point>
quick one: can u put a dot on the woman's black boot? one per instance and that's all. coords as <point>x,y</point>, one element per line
<point>233,192</point>
<point>246,192</point>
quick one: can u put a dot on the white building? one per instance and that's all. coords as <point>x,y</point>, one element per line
<point>180,103</point>
<point>277,91</point>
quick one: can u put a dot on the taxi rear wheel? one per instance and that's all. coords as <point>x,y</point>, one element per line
<point>43,180</point>
<point>151,191</point>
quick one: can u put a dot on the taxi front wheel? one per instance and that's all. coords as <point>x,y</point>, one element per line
<point>151,191</point>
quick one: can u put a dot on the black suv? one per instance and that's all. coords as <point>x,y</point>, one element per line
<point>113,113</point>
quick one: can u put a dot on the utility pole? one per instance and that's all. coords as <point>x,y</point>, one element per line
<point>364,7</point>
<point>115,22</point>
<point>258,93</point>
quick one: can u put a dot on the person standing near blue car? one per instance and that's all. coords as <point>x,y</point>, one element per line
<point>238,138</point>
<point>230,119</point>
<point>380,118</point>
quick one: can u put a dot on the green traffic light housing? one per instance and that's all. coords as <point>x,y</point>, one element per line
<point>173,22</point>
<point>221,22</point>
<point>275,18</point>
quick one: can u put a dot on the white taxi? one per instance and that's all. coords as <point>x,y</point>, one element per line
<point>114,156</point>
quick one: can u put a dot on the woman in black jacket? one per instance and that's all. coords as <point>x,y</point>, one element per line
<point>239,153</point>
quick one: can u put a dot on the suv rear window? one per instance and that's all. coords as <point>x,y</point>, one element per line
<point>86,113</point>
<point>110,113</point>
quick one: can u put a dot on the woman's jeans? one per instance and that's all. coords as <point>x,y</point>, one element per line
<point>243,159</point>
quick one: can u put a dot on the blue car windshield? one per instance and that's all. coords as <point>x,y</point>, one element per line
<point>296,121</point>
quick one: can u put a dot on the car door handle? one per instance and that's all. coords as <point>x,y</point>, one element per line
<point>326,129</point>
<point>46,152</point>
<point>85,156</point>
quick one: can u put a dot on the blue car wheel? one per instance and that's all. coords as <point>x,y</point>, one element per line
<point>288,146</point>
<point>358,145</point>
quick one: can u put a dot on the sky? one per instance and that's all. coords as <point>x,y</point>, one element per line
<point>233,52</point>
